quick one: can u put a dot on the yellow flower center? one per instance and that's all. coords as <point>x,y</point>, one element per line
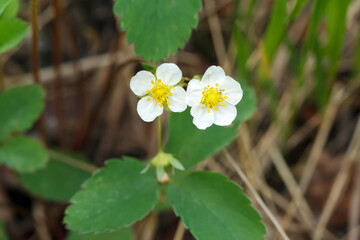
<point>212,96</point>
<point>160,92</point>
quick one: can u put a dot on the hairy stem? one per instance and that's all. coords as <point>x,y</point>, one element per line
<point>59,112</point>
<point>35,62</point>
<point>71,161</point>
<point>35,37</point>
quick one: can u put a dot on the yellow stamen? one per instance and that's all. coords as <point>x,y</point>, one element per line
<point>170,87</point>
<point>148,99</point>
<point>223,104</point>
<point>225,97</point>
<point>168,103</point>
<point>211,97</point>
<point>152,82</point>
<point>217,84</point>
<point>208,110</point>
<point>202,107</point>
<point>160,92</point>
<point>216,108</point>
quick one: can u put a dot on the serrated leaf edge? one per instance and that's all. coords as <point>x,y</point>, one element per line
<point>227,181</point>
<point>108,229</point>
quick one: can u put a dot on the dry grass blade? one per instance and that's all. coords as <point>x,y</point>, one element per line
<point>86,64</point>
<point>291,186</point>
<point>180,231</point>
<point>215,28</point>
<point>256,195</point>
<point>317,148</point>
<point>307,217</point>
<point>40,220</point>
<point>354,216</point>
<point>339,183</point>
<point>329,116</point>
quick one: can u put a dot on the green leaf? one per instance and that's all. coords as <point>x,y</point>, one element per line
<point>336,26</point>
<point>244,49</point>
<point>19,108</point>
<point>23,154</point>
<point>116,196</point>
<point>191,145</point>
<point>157,28</point>
<point>2,232</point>
<point>276,29</point>
<point>121,234</point>
<point>300,4</point>
<point>58,181</point>
<point>312,33</point>
<point>213,208</point>
<point>12,32</point>
<point>10,11</point>
<point>3,5</point>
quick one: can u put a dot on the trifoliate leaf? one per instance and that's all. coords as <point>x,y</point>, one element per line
<point>12,32</point>
<point>157,28</point>
<point>19,108</point>
<point>214,208</point>
<point>116,196</point>
<point>191,145</point>
<point>58,181</point>
<point>121,234</point>
<point>23,154</point>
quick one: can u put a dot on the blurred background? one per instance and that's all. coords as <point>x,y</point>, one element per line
<point>300,151</point>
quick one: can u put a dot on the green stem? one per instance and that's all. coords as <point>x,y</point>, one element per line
<point>71,161</point>
<point>159,134</point>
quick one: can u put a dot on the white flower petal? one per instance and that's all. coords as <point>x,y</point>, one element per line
<point>233,92</point>
<point>213,75</point>
<point>169,73</point>
<point>148,109</point>
<point>194,110</point>
<point>194,92</point>
<point>202,118</point>
<point>225,115</point>
<point>141,82</point>
<point>177,100</point>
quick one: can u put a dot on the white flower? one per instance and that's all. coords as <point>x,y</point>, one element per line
<point>158,92</point>
<point>213,99</point>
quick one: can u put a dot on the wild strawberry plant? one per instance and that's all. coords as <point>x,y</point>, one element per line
<point>206,111</point>
<point>126,190</point>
